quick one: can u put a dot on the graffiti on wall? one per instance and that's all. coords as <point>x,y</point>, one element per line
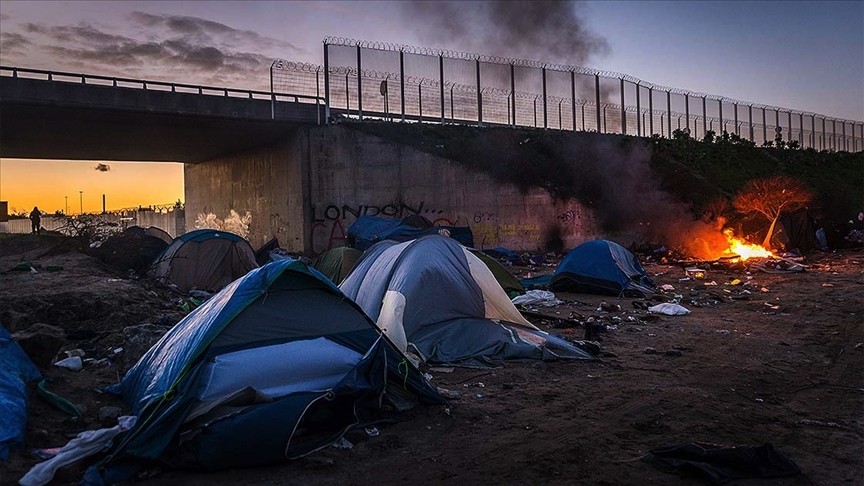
<point>330,222</point>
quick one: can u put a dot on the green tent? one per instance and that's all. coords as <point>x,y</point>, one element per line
<point>337,263</point>
<point>508,282</point>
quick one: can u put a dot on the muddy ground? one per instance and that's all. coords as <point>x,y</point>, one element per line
<point>784,366</point>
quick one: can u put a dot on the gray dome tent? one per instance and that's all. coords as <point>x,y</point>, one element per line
<point>204,259</point>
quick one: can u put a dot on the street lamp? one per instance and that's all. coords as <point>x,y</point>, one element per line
<point>66,211</point>
<point>81,201</point>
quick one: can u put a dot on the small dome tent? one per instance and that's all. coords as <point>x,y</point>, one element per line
<point>275,366</point>
<point>337,263</point>
<point>204,259</point>
<point>434,298</point>
<point>602,267</point>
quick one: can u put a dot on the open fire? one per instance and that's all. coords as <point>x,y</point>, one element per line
<point>743,249</point>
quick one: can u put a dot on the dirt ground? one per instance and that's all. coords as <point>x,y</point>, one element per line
<point>783,366</point>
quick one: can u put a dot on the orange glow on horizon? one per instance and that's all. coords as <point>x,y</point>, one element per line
<point>44,183</point>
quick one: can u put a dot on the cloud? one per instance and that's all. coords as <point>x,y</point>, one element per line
<point>102,167</point>
<point>185,49</point>
<point>11,42</point>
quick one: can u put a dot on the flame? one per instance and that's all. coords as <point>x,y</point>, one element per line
<point>744,250</point>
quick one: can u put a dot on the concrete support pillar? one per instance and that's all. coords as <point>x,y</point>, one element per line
<point>573,101</point>
<point>441,83</point>
<point>513,91</point>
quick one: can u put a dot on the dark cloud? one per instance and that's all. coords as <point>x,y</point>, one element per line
<point>155,46</point>
<point>102,167</point>
<point>551,31</point>
<point>12,42</point>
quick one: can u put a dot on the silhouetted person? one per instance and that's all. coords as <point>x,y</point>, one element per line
<point>35,220</point>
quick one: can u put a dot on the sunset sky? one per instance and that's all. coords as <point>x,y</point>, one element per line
<point>801,55</point>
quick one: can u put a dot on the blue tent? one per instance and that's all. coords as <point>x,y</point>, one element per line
<point>368,230</point>
<point>602,267</point>
<point>273,367</point>
<point>435,299</point>
<point>16,370</point>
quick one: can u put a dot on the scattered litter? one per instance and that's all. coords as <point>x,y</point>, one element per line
<point>343,443</point>
<point>609,307</point>
<point>721,331</point>
<point>771,306</point>
<point>74,352</point>
<point>451,394</point>
<point>649,351</point>
<point>827,284</point>
<point>764,290</point>
<point>73,363</point>
<point>735,282</point>
<point>711,283</point>
<point>667,288</point>
<point>696,273</point>
<point>669,309</point>
<point>537,297</point>
<point>441,369</point>
<point>479,396</point>
<point>372,431</point>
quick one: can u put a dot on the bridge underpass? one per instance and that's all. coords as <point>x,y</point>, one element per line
<point>304,183</point>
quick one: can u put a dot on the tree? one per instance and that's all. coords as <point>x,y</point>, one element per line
<point>772,197</point>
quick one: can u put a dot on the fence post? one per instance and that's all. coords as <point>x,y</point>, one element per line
<point>687,111</point>
<point>479,94</point>
<point>764,126</point>
<point>452,113</point>
<point>801,130</point>
<point>638,113</point>
<point>597,98</point>
<point>420,100</point>
<point>623,113</point>
<point>317,94</point>
<point>583,116</point>
<point>777,121</point>
<point>750,121</point>
<point>545,118</point>
<point>326,85</point>
<point>651,112</point>
<point>834,143</point>
<point>272,96</point>
<point>704,116</point>
<point>573,100</point>
<point>535,112</point>
<point>669,111</point>
<point>735,111</point>
<point>720,113</point>
<point>513,91</point>
<point>441,82</point>
<point>813,131</point>
<point>845,140</point>
<point>402,82</point>
<point>359,85</point>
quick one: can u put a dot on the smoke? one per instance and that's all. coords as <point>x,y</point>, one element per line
<point>102,167</point>
<point>552,31</point>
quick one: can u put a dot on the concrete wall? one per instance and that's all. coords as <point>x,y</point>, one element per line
<point>308,191</point>
<point>265,181</point>
<point>353,173</point>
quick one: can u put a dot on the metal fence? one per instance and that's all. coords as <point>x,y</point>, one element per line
<point>362,79</point>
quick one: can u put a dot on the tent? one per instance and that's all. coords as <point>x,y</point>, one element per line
<point>504,278</point>
<point>368,230</point>
<point>16,370</point>
<point>151,231</point>
<point>434,298</point>
<point>276,365</point>
<point>135,249</point>
<point>204,259</point>
<point>797,232</point>
<point>602,267</point>
<point>337,263</point>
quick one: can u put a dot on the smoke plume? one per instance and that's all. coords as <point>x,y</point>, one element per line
<point>551,31</point>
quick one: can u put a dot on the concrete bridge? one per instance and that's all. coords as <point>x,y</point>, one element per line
<point>60,115</point>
